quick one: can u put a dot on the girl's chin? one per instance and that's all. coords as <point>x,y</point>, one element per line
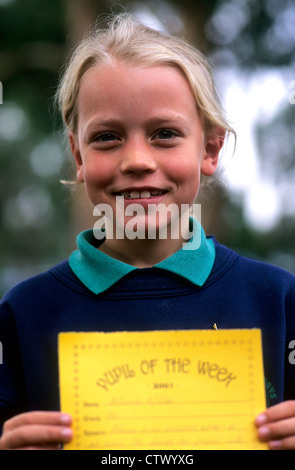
<point>147,228</point>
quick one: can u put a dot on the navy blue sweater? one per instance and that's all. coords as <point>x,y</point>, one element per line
<point>239,293</point>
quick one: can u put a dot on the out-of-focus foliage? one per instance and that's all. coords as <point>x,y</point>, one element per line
<point>256,37</point>
<point>253,32</point>
<point>34,207</point>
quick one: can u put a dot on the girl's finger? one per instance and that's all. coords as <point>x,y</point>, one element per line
<point>283,444</point>
<point>38,417</point>
<point>275,413</point>
<point>35,436</point>
<point>277,430</point>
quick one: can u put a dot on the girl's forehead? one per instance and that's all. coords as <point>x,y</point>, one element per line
<point>107,82</point>
<point>121,70</point>
<point>136,93</point>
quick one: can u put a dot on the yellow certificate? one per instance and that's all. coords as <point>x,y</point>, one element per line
<point>193,389</point>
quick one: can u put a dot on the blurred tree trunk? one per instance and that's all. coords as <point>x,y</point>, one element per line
<point>81,14</point>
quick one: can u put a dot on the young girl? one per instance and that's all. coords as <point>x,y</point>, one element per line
<point>144,123</point>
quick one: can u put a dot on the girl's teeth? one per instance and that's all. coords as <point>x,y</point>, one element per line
<point>134,195</point>
<point>143,195</point>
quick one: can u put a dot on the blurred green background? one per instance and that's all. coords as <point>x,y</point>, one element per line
<point>251,46</point>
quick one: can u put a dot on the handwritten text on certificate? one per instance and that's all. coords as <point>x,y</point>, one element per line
<point>162,389</point>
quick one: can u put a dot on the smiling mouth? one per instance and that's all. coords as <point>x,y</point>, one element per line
<point>145,194</point>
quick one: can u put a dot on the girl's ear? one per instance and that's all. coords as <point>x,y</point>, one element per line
<point>74,144</point>
<point>213,145</point>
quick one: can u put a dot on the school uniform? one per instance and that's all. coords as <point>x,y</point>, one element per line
<point>192,289</point>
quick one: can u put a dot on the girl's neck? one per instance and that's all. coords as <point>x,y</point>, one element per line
<point>140,253</point>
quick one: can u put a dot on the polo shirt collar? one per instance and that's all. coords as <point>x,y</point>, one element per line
<point>98,271</point>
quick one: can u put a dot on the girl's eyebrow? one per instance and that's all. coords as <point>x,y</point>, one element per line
<point>169,119</point>
<point>96,122</point>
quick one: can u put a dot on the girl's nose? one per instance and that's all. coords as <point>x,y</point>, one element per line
<point>137,158</point>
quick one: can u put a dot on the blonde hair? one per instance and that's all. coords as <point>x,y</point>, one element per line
<point>125,39</point>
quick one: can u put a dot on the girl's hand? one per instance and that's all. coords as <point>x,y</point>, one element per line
<point>276,426</point>
<point>36,430</point>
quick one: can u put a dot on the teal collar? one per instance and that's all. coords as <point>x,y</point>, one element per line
<point>98,271</point>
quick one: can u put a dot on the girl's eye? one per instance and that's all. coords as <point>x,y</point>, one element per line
<point>165,134</point>
<point>106,137</point>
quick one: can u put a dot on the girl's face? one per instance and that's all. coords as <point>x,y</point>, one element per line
<point>140,136</point>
